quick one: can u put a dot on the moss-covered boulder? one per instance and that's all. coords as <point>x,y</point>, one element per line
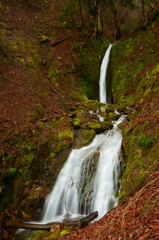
<point>88,136</point>
<point>113,116</point>
<point>101,126</point>
<point>77,122</point>
<point>53,236</point>
<point>77,96</point>
<point>38,235</point>
<point>64,233</point>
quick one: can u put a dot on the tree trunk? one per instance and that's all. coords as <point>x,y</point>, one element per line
<point>143,13</point>
<point>100,28</point>
<point>80,8</point>
<point>98,22</point>
<point>71,13</point>
<point>118,33</point>
<point>67,223</point>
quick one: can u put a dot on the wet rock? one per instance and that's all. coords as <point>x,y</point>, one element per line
<point>101,127</point>
<point>37,192</point>
<point>114,116</point>
<point>87,180</point>
<point>55,228</point>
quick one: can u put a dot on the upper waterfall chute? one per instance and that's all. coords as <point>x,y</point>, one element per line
<point>103,72</point>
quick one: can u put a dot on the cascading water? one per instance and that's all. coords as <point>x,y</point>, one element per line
<point>103,72</point>
<point>89,180</point>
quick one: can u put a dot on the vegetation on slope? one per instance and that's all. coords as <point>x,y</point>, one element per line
<point>49,69</point>
<point>135,83</point>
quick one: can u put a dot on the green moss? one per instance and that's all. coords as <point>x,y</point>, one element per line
<point>155,70</point>
<point>89,58</point>
<point>77,96</point>
<point>53,236</point>
<point>66,134</point>
<point>44,39</point>
<point>144,141</point>
<point>12,172</point>
<point>96,126</point>
<point>38,235</point>
<point>65,232</point>
<point>62,146</point>
<point>113,115</point>
<point>89,135</point>
<point>77,123</point>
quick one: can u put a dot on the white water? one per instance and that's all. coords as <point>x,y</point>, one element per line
<point>89,180</point>
<point>80,188</point>
<point>66,194</point>
<point>103,72</point>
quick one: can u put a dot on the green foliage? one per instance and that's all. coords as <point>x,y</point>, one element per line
<point>89,58</point>
<point>65,16</point>
<point>10,156</point>
<point>52,154</point>
<point>12,172</point>
<point>145,141</point>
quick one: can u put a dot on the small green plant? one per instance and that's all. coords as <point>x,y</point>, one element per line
<point>9,156</point>
<point>12,172</point>
<point>52,154</point>
<point>144,141</point>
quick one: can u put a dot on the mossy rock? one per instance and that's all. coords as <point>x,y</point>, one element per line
<point>77,96</point>
<point>62,146</point>
<point>88,136</point>
<point>96,127</point>
<point>103,109</point>
<point>53,236</point>
<point>122,109</point>
<point>107,125</point>
<point>44,39</point>
<point>65,232</point>
<point>109,108</point>
<point>66,134</point>
<point>38,235</point>
<point>77,123</point>
<point>101,127</point>
<point>114,116</point>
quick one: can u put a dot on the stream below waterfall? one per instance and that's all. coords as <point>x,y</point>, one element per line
<point>90,178</point>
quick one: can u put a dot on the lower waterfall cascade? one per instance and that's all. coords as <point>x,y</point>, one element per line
<point>81,189</point>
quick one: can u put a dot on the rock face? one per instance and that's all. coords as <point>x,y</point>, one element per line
<point>87,181</point>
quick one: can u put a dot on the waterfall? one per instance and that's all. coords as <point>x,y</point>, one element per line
<point>103,71</point>
<point>88,181</point>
